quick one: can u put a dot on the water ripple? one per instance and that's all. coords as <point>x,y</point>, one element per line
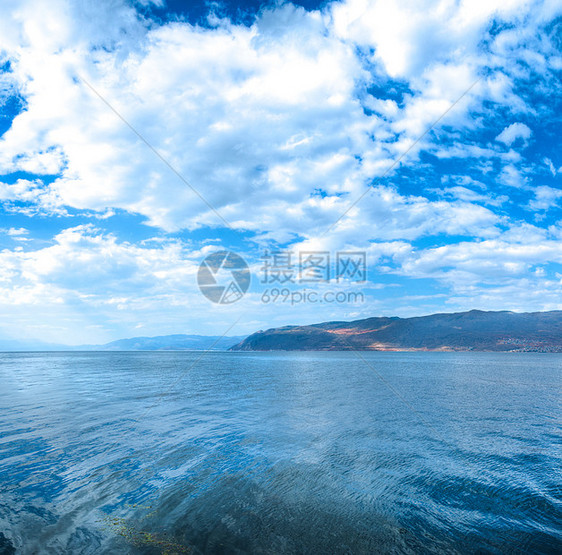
<point>280,453</point>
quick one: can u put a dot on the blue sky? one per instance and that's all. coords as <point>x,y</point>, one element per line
<point>281,116</point>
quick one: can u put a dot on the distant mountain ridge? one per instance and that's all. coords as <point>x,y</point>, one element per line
<point>475,330</point>
<point>177,342</point>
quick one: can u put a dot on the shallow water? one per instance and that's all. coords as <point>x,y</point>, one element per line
<point>177,452</point>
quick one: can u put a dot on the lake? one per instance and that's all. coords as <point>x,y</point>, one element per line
<point>177,452</point>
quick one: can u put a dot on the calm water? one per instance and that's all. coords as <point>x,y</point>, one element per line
<point>280,453</point>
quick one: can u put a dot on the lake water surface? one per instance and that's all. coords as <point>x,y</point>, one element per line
<point>177,452</point>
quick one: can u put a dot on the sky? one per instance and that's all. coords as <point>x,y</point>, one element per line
<point>138,138</point>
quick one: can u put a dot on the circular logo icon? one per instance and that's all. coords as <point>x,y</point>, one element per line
<point>223,277</point>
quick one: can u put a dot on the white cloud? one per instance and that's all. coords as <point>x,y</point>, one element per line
<point>259,116</point>
<point>508,256</point>
<point>513,132</point>
<point>551,167</point>
<point>19,234</point>
<point>248,115</point>
<point>545,198</point>
<point>469,196</point>
<point>409,36</point>
<point>92,278</point>
<point>511,176</point>
<point>17,231</point>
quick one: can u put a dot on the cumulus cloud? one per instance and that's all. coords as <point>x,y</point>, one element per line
<point>545,198</point>
<point>512,271</point>
<point>92,279</point>
<point>513,132</point>
<point>261,115</point>
<point>512,176</point>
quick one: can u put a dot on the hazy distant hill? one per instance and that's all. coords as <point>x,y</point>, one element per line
<point>463,331</point>
<point>13,345</point>
<point>161,343</point>
<point>170,342</point>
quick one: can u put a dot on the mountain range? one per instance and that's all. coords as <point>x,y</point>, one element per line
<point>177,342</point>
<point>475,330</point>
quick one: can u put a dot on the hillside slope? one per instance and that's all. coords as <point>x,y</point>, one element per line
<point>462,331</point>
